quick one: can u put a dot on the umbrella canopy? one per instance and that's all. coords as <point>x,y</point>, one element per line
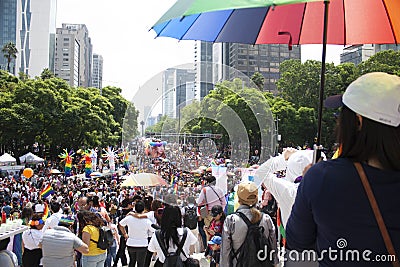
<point>302,23</point>
<point>305,22</point>
<point>30,158</point>
<point>7,158</point>
<point>129,181</point>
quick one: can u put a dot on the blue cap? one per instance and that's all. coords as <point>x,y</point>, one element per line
<point>215,240</point>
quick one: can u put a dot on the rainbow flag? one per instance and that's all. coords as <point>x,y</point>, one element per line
<point>47,191</point>
<point>175,189</point>
<point>45,212</point>
<point>280,227</point>
<point>213,163</point>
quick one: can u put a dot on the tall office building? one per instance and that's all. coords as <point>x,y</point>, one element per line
<point>178,90</point>
<point>203,62</point>
<point>97,71</point>
<point>249,59</point>
<point>31,26</point>
<point>73,60</point>
<point>359,53</point>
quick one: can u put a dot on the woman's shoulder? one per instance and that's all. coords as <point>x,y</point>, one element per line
<point>89,228</point>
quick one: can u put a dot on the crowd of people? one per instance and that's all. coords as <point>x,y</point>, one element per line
<point>291,204</point>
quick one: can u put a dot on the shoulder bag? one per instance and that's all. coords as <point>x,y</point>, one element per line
<point>377,213</point>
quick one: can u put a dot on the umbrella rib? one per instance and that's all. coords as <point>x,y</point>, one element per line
<point>191,25</point>
<point>233,10</point>
<point>258,32</point>
<point>390,21</point>
<point>302,22</point>
<point>344,24</point>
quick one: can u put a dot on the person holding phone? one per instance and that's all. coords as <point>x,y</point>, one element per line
<point>332,208</point>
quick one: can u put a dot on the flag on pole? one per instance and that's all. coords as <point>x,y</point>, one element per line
<point>280,227</point>
<point>47,191</point>
<point>45,212</point>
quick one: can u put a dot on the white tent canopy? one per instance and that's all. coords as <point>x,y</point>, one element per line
<point>30,158</point>
<point>6,159</point>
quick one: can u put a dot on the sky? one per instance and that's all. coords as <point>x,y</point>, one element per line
<point>119,31</point>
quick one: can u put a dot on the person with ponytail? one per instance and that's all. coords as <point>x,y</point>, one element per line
<point>171,233</point>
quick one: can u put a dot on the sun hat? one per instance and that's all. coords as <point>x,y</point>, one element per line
<point>247,193</point>
<point>215,240</point>
<point>375,96</point>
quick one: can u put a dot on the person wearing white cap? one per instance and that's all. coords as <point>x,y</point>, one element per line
<point>333,209</point>
<point>284,189</point>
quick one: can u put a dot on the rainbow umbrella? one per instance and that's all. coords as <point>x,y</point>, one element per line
<point>284,22</point>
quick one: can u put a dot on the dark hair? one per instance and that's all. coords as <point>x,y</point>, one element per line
<point>147,202</point>
<point>89,218</point>
<point>4,243</point>
<point>26,213</point>
<point>96,201</point>
<point>139,206</point>
<point>55,206</point>
<point>210,179</point>
<point>374,139</point>
<point>171,220</point>
<point>156,204</point>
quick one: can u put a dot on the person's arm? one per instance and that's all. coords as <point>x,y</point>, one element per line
<point>86,236</point>
<point>84,249</point>
<point>226,241</point>
<point>123,231</point>
<point>80,246</point>
<point>139,216</point>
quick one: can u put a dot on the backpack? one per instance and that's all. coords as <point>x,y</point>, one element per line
<point>172,258</point>
<point>190,218</point>
<point>106,238</point>
<point>248,253</point>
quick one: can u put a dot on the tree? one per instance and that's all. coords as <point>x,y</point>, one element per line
<point>258,79</point>
<point>46,74</point>
<point>10,52</point>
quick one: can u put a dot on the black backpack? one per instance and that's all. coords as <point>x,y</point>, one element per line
<point>249,252</point>
<point>190,218</point>
<point>172,258</point>
<point>106,238</point>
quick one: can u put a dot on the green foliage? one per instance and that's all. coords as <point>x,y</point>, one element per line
<point>10,52</point>
<point>50,112</point>
<point>258,79</point>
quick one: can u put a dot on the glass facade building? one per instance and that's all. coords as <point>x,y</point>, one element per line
<point>31,26</point>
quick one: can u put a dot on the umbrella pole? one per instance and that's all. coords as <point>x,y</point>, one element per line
<point>322,85</point>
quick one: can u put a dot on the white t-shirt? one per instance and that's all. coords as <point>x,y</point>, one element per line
<point>150,216</point>
<point>32,238</point>
<point>191,239</point>
<point>52,221</point>
<point>138,231</point>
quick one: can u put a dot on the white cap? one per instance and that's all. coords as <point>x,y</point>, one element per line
<point>375,96</point>
<point>297,162</point>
